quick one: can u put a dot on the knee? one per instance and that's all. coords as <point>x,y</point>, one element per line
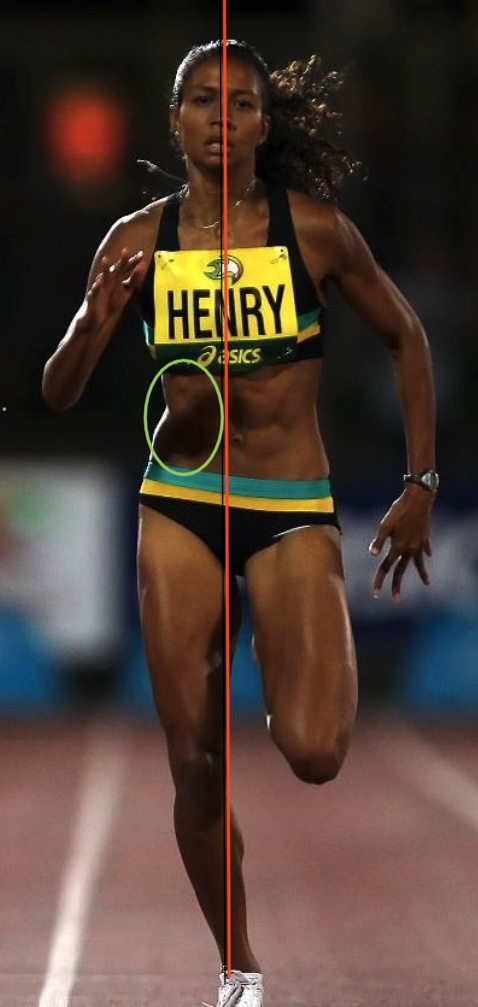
<point>313,759</point>
<point>198,780</point>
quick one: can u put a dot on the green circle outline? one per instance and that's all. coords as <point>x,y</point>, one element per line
<point>174,472</point>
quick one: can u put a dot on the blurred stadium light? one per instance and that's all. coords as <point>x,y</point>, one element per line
<point>85,133</point>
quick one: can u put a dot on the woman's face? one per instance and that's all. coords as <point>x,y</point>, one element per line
<point>199,119</point>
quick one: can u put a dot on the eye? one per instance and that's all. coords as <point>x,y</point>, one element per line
<point>244,103</point>
<point>202,99</point>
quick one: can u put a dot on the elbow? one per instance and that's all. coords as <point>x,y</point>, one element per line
<point>55,405</point>
<point>410,337</point>
<point>49,397</point>
<point>56,399</point>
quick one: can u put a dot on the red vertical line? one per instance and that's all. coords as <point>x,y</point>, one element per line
<point>227,600</point>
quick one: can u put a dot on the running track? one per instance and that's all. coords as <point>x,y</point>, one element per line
<point>362,893</point>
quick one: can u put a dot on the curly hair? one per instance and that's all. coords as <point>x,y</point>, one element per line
<point>303,149</point>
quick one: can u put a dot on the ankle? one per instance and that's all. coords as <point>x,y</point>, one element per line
<point>248,966</point>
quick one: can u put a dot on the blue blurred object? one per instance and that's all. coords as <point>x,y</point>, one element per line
<point>246,684</point>
<point>439,672</point>
<point>133,693</point>
<point>30,682</point>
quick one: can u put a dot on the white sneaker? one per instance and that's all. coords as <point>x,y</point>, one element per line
<point>252,992</point>
<point>238,989</point>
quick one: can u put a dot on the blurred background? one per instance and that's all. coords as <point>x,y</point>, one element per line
<point>85,93</point>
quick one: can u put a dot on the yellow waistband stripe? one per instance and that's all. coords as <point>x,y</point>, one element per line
<point>320,505</point>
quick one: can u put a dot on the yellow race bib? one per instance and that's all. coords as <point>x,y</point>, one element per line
<point>192,321</point>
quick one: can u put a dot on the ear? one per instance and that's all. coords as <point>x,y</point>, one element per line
<point>173,118</point>
<point>266,125</point>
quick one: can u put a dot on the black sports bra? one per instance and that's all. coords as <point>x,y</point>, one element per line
<point>274,314</point>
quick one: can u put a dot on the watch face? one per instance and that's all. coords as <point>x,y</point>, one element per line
<point>430,480</point>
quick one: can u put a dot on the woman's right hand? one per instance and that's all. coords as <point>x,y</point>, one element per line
<point>69,368</point>
<point>111,290</point>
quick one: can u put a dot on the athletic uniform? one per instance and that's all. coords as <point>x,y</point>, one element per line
<point>273,317</point>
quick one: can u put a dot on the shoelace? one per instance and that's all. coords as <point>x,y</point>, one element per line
<point>251,995</point>
<point>231,986</point>
<point>249,990</point>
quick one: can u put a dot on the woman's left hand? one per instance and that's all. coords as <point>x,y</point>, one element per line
<point>407,525</point>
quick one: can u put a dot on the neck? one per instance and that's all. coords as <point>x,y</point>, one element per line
<point>203,204</point>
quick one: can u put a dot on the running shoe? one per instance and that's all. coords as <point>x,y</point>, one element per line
<point>237,989</point>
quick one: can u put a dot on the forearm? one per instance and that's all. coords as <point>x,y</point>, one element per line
<point>415,386</point>
<point>70,367</point>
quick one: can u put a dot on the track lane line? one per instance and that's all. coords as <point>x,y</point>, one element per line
<point>99,794</point>
<point>434,774</point>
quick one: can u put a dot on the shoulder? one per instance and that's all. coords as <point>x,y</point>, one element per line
<point>143,220</point>
<point>136,230</point>
<point>312,215</point>
<point>315,221</point>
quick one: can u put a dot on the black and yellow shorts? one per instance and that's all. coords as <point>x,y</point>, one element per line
<point>260,510</point>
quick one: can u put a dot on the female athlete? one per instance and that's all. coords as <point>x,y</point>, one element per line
<point>287,242</point>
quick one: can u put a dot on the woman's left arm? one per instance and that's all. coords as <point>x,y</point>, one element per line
<point>384,309</point>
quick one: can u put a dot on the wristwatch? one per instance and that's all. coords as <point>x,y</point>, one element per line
<point>430,479</point>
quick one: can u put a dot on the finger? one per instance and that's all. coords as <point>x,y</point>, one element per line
<point>123,256</point>
<point>118,264</point>
<point>427,547</point>
<point>398,573</point>
<point>380,575</point>
<point>422,570</point>
<point>95,286</point>
<point>116,267</point>
<point>126,262</point>
<point>132,282</point>
<point>127,259</point>
<point>378,542</point>
<point>128,265</point>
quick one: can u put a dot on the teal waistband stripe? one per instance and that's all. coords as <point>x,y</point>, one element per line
<point>307,319</point>
<point>278,489</point>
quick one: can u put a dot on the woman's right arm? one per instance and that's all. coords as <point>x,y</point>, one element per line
<point>117,270</point>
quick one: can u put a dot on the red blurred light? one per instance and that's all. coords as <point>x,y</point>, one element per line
<point>86,135</point>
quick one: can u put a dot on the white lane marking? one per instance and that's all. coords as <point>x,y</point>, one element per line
<point>98,800</point>
<point>423,765</point>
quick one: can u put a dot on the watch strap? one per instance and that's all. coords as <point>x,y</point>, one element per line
<point>428,480</point>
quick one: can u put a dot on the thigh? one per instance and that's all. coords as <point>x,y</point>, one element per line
<point>302,632</point>
<point>181,600</point>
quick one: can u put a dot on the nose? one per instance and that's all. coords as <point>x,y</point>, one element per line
<point>217,115</point>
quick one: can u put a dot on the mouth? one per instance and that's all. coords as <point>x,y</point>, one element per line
<point>216,146</point>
